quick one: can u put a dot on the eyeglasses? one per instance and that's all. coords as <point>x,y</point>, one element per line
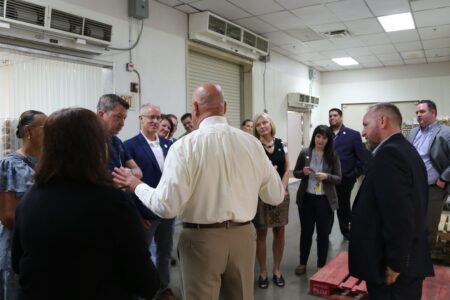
<point>152,117</point>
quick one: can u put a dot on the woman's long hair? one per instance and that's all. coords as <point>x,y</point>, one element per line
<point>74,148</point>
<point>328,152</point>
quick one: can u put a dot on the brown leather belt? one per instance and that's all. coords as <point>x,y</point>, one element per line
<point>225,224</point>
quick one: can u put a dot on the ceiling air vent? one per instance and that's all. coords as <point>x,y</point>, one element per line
<point>2,8</point>
<point>337,34</point>
<point>234,32</point>
<point>97,30</point>
<point>25,12</point>
<point>249,39</point>
<point>217,25</point>
<point>66,22</point>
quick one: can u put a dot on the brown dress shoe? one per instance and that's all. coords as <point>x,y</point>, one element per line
<point>167,294</point>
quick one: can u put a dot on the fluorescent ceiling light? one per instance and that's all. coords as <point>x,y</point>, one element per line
<point>345,61</point>
<point>397,22</point>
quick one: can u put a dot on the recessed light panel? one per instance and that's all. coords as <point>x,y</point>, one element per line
<point>345,61</point>
<point>397,22</point>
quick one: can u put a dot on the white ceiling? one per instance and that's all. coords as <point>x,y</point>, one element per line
<point>294,26</point>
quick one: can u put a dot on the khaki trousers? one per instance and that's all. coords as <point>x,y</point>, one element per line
<point>217,261</point>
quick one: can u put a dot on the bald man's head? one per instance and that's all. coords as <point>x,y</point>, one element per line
<point>207,101</point>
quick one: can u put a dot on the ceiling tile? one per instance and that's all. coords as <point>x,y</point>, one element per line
<point>374,39</point>
<point>388,7</point>
<point>298,48</point>
<point>429,4</point>
<point>408,46</point>
<point>341,43</point>
<point>389,57</point>
<point>221,8</point>
<point>437,52</point>
<point>365,26</point>
<point>324,63</point>
<point>320,45</point>
<point>283,20</point>
<point>281,51</point>
<point>438,59</point>
<point>372,64</point>
<point>256,24</point>
<point>280,38</point>
<point>435,32</point>
<point>435,44</point>
<point>257,7</point>
<point>334,53</point>
<point>415,61</point>
<point>328,27</point>
<point>316,15</point>
<point>335,67</point>
<point>188,1</point>
<point>304,34</point>
<point>353,67</point>
<point>413,54</point>
<point>348,10</point>
<point>290,4</point>
<point>171,3</point>
<point>403,36</point>
<point>393,63</point>
<point>366,59</point>
<point>432,17</point>
<point>314,56</point>
<point>382,49</point>
<point>359,51</point>
<point>187,9</point>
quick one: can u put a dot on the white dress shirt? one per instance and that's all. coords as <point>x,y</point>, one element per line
<point>214,174</point>
<point>157,151</point>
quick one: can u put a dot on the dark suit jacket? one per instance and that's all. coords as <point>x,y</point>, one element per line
<point>348,145</point>
<point>389,215</point>
<point>334,177</point>
<point>140,151</point>
<point>439,150</point>
<point>81,241</point>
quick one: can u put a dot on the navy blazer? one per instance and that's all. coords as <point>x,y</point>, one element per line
<point>140,151</point>
<point>389,215</point>
<point>348,145</point>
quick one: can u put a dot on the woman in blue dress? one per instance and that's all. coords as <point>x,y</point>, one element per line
<point>16,176</point>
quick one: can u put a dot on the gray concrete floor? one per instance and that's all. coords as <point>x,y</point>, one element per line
<point>297,287</point>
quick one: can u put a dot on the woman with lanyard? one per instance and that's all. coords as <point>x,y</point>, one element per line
<point>319,169</point>
<point>16,176</point>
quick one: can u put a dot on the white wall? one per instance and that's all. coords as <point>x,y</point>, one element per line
<point>160,56</point>
<point>402,83</point>
<point>282,76</point>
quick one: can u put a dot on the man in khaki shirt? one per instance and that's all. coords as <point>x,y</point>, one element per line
<point>211,180</point>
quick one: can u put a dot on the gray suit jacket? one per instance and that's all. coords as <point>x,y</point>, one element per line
<point>334,177</point>
<point>439,150</point>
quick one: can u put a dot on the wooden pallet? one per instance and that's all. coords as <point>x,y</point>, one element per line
<point>334,282</point>
<point>441,251</point>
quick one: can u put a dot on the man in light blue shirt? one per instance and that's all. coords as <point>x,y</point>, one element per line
<point>432,141</point>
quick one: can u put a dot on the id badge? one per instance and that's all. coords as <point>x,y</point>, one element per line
<point>318,188</point>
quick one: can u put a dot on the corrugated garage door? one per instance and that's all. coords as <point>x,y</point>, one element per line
<point>205,68</point>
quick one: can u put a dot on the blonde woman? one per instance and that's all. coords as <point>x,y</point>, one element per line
<point>275,217</point>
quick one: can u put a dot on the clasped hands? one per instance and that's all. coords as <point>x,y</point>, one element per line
<point>123,179</point>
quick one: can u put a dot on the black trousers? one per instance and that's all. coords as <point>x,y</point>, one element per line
<point>315,211</point>
<point>404,288</point>
<point>344,192</point>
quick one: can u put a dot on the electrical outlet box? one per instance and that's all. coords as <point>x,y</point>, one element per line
<point>130,67</point>
<point>134,87</point>
<point>138,9</point>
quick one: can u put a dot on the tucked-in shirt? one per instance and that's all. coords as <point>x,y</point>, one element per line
<point>214,174</point>
<point>422,144</point>
<point>16,175</point>
<point>157,151</point>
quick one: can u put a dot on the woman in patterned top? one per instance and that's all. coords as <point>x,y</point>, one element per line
<point>16,176</point>
<point>267,215</point>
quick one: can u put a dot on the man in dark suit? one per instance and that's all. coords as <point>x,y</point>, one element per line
<point>348,145</point>
<point>149,151</point>
<point>432,141</point>
<point>388,242</point>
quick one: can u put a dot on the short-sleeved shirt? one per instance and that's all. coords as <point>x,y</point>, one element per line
<point>118,155</point>
<point>16,175</point>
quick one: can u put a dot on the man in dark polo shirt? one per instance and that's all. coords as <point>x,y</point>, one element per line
<point>348,145</point>
<point>113,110</point>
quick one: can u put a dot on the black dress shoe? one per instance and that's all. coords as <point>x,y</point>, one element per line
<point>263,283</point>
<point>279,281</point>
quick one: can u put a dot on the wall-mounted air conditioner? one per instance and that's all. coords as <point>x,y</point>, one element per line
<point>297,100</point>
<point>34,25</point>
<point>216,31</point>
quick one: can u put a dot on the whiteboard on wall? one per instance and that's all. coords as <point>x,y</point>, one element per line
<point>353,113</point>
